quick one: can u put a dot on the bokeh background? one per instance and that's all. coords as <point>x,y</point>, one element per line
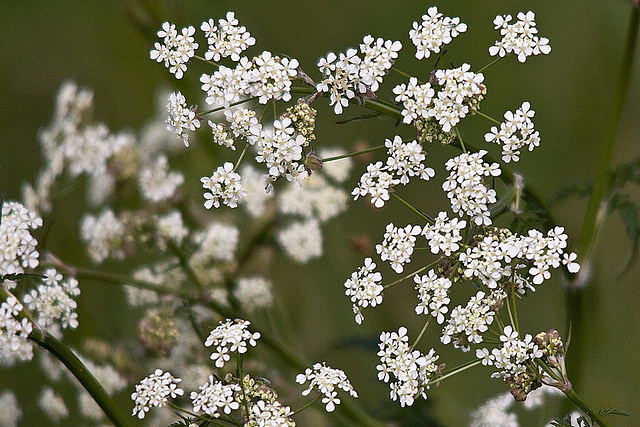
<point>104,45</point>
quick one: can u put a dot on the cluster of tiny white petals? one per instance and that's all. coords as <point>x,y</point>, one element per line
<point>228,39</point>
<point>264,414</point>
<point>280,149</point>
<point>154,391</point>
<point>519,37</point>
<point>376,182</point>
<point>104,236</point>
<point>459,88</point>
<point>326,380</point>
<point>515,132</point>
<point>157,183</point>
<point>242,121</point>
<point>230,336</point>
<point>264,77</point>
<point>495,412</point>
<point>177,50</point>
<point>10,412</point>
<point>444,235</point>
<point>433,294</point>
<point>465,187</point>
<point>181,118</point>
<point>53,301</point>
<point>254,183</point>
<point>17,245</point>
<point>171,226</point>
<point>512,356</point>
<point>52,405</point>
<point>215,396</point>
<point>253,293</point>
<point>223,185</point>
<point>221,135</point>
<point>313,198</point>
<point>416,100</point>
<point>364,288</point>
<point>302,240</point>
<point>488,261</point>
<point>405,160</point>
<point>467,324</point>
<point>410,369</point>
<point>218,242</point>
<point>347,75</point>
<point>397,246</point>
<point>434,32</point>
<point>14,344</point>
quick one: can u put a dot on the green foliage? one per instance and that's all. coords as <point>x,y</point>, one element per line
<point>583,421</point>
<point>629,215</point>
<point>614,411</point>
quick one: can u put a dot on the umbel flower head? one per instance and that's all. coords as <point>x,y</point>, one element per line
<point>155,390</point>
<point>326,380</point>
<point>230,336</point>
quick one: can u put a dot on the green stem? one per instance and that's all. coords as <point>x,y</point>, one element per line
<point>490,64</point>
<point>457,370</point>
<point>595,416</point>
<point>233,104</point>
<point>402,73</point>
<point>357,153</point>
<point>481,114</point>
<point>410,275</point>
<point>186,267</point>
<point>207,61</point>
<point>515,310</point>
<point>307,405</point>
<point>407,204</point>
<point>464,149</point>
<point>424,329</point>
<point>242,154</point>
<point>245,402</point>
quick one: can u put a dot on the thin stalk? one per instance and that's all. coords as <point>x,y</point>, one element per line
<point>457,370</point>
<point>402,73</point>
<point>207,61</point>
<point>356,153</point>
<point>244,151</point>
<point>245,403</point>
<point>481,114</point>
<point>464,149</point>
<point>408,276</point>
<point>307,405</point>
<point>407,204</point>
<point>199,417</point>
<point>424,329</point>
<point>233,104</point>
<point>513,323</point>
<point>490,64</point>
<point>515,310</point>
<point>186,267</point>
<point>595,416</point>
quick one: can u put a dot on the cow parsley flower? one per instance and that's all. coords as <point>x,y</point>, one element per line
<point>302,241</point>
<point>405,160</point>
<point>230,336</point>
<point>495,412</point>
<point>223,185</point>
<point>52,405</point>
<point>104,236</point>
<point>519,37</point>
<point>10,412</point>
<point>181,118</point>
<point>154,391</point>
<point>512,356</point>
<point>433,295</point>
<point>377,183</point>
<point>217,243</point>
<point>434,32</point>
<point>53,301</point>
<point>215,396</point>
<point>157,183</point>
<point>177,50</point>
<point>281,150</point>
<point>397,246</point>
<point>444,234</point>
<point>253,293</point>
<point>264,414</point>
<point>326,380</point>
<point>14,333</point>
<point>461,91</point>
<point>364,288</point>
<point>254,183</point>
<point>467,324</point>
<point>515,132</point>
<point>17,245</point>
<point>228,39</point>
<point>416,100</point>
<point>221,135</point>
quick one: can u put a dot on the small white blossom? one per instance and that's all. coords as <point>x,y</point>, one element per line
<point>181,118</point>
<point>217,242</point>
<point>224,184</point>
<point>52,405</point>
<point>53,301</point>
<point>364,288</point>
<point>154,391</point>
<point>326,380</point>
<point>157,183</point>
<point>467,324</point>
<point>495,413</point>
<point>228,39</point>
<point>434,32</point>
<point>460,90</point>
<point>221,135</point>
<point>515,132</point>
<point>302,241</point>
<point>405,160</point>
<point>519,37</point>
<point>253,293</point>
<point>444,234</point>
<point>104,236</point>
<point>377,183</point>
<point>215,396</point>
<point>10,412</point>
<point>273,414</point>
<point>17,245</point>
<point>14,333</point>
<point>512,357</point>
<point>177,50</point>
<point>433,295</point>
<point>397,246</point>
<point>230,336</point>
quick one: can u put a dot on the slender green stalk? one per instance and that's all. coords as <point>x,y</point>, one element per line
<point>233,104</point>
<point>307,405</point>
<point>402,73</point>
<point>245,402</point>
<point>515,310</point>
<point>481,114</point>
<point>244,151</point>
<point>424,329</point>
<point>356,153</point>
<point>410,275</point>
<point>464,149</point>
<point>511,320</point>
<point>595,416</point>
<point>490,64</point>
<point>186,267</point>
<point>407,204</point>
<point>207,61</point>
<point>457,370</point>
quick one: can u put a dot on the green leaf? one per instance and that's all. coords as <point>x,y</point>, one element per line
<point>21,276</point>
<point>631,220</point>
<point>581,189</point>
<point>614,411</point>
<point>628,172</point>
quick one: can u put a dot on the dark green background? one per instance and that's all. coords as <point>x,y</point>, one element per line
<point>98,45</point>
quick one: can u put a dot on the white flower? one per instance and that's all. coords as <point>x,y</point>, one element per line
<point>53,301</point>
<point>273,414</point>
<point>467,324</point>
<point>495,413</point>
<point>405,160</point>
<point>519,38</point>
<point>416,100</point>
<point>10,412</point>
<point>397,246</point>
<point>14,333</point>
<point>254,183</point>
<point>444,234</point>
<point>217,242</point>
<point>104,236</point>
<point>434,32</point>
<point>515,132</point>
<point>52,405</point>
<point>177,50</point>
<point>230,336</point>
<point>253,293</point>
<point>17,245</point>
<point>433,293</point>
<point>377,183</point>
<point>155,390</point>
<point>221,135</point>
<point>302,241</point>
<point>215,396</point>
<point>181,119</point>
<point>157,183</point>
<point>223,185</point>
<point>364,288</point>
<point>227,40</point>
<point>326,380</point>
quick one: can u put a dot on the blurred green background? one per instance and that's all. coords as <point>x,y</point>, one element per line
<point>104,45</point>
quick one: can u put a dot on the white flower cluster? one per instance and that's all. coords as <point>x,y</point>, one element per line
<point>217,243</point>
<point>326,380</point>
<point>154,390</point>
<point>411,369</point>
<point>230,336</point>
<point>433,294</point>
<point>495,412</point>
<point>253,293</point>
<point>377,183</point>
<point>515,132</point>
<point>465,187</point>
<point>494,256</point>
<point>315,197</point>
<point>264,414</point>
<point>416,100</point>
<point>181,118</point>
<point>280,149</point>
<point>171,226</point>
<point>519,38</point>
<point>10,412</point>
<point>434,32</point>
<point>214,396</point>
<point>53,301</point>
<point>338,170</point>
<point>224,184</point>
<point>364,288</point>
<point>254,183</point>
<point>104,236</point>
<point>397,246</point>
<point>302,240</point>
<point>14,344</point>
<point>264,77</point>
<point>157,183</point>
<point>348,75</point>
<point>467,324</point>
<point>444,234</point>
<point>177,50</point>
<point>512,357</point>
<point>17,245</point>
<point>227,40</point>
<point>405,160</point>
<point>221,135</point>
<point>242,121</point>
<point>459,89</point>
<point>52,405</point>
